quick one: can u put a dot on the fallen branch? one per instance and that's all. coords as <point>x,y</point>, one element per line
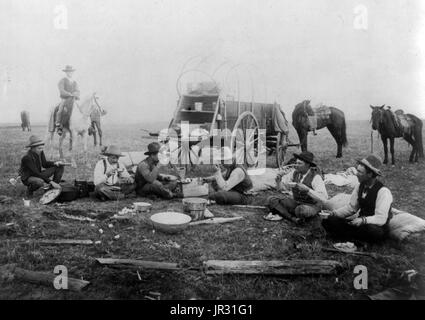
<point>138,263</point>
<point>79,218</point>
<point>248,206</point>
<point>54,241</point>
<point>274,267</point>
<point>10,271</point>
<point>65,241</point>
<point>215,221</point>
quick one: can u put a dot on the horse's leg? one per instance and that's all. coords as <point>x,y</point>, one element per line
<point>61,139</point>
<point>302,135</point>
<point>392,150</point>
<point>384,141</point>
<point>71,139</point>
<point>93,124</point>
<point>337,137</point>
<point>99,131</point>
<point>412,142</point>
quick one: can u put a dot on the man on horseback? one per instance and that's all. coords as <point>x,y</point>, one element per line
<point>68,91</point>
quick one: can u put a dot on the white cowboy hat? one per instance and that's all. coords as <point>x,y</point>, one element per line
<point>68,69</point>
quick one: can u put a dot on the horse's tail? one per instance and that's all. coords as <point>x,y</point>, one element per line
<point>344,132</point>
<point>418,137</point>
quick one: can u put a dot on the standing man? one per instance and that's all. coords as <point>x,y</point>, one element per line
<point>305,181</point>
<point>32,164</point>
<point>368,213</point>
<point>111,179</point>
<point>148,179</point>
<point>68,91</point>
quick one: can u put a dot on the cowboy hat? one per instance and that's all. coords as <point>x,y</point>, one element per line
<point>153,148</point>
<point>306,156</point>
<point>68,69</point>
<point>113,150</point>
<point>373,162</point>
<point>34,141</point>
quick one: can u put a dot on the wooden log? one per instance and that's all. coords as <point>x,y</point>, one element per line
<point>215,221</point>
<point>373,255</point>
<point>11,271</point>
<point>274,267</point>
<point>138,263</point>
<point>65,241</point>
<point>248,206</point>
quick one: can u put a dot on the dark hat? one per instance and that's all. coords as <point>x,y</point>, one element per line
<point>68,69</point>
<point>307,157</point>
<point>373,162</point>
<point>153,148</point>
<point>112,150</point>
<point>34,141</point>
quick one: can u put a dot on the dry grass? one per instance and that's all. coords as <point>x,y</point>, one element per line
<point>249,239</point>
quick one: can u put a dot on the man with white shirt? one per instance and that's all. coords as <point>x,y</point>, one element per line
<point>230,180</point>
<point>306,182</point>
<point>368,213</point>
<point>111,178</point>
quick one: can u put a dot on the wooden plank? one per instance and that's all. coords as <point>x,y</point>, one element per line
<point>10,272</point>
<point>273,267</point>
<point>138,263</point>
<point>65,241</point>
<point>52,241</point>
<point>248,206</point>
<point>373,255</point>
<point>215,221</point>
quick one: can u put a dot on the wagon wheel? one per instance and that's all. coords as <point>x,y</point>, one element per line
<point>245,140</point>
<point>281,147</point>
<point>179,156</point>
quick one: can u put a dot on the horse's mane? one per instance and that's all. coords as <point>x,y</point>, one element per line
<point>300,110</point>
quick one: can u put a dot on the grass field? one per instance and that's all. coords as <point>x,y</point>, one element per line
<point>249,239</point>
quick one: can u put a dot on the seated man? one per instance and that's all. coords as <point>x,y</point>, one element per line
<point>32,164</point>
<point>148,179</point>
<point>111,179</point>
<point>368,213</point>
<point>305,181</point>
<point>230,181</point>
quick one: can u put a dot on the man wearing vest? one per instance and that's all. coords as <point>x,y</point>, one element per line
<point>68,91</point>
<point>32,165</point>
<point>305,182</point>
<point>368,213</point>
<point>230,181</point>
<point>148,179</point>
<point>111,178</point>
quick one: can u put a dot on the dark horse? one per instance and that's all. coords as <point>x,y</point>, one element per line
<point>384,121</point>
<point>25,120</point>
<point>335,122</point>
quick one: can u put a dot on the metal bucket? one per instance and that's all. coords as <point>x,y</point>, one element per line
<point>195,207</point>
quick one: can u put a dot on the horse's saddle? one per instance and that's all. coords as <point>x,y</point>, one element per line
<point>321,113</point>
<point>403,122</point>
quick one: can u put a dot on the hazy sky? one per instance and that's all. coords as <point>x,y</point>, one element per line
<point>131,53</point>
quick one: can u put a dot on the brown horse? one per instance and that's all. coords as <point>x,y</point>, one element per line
<point>329,117</point>
<point>25,120</point>
<point>386,123</point>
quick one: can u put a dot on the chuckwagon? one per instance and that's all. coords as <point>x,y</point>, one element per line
<point>204,116</point>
